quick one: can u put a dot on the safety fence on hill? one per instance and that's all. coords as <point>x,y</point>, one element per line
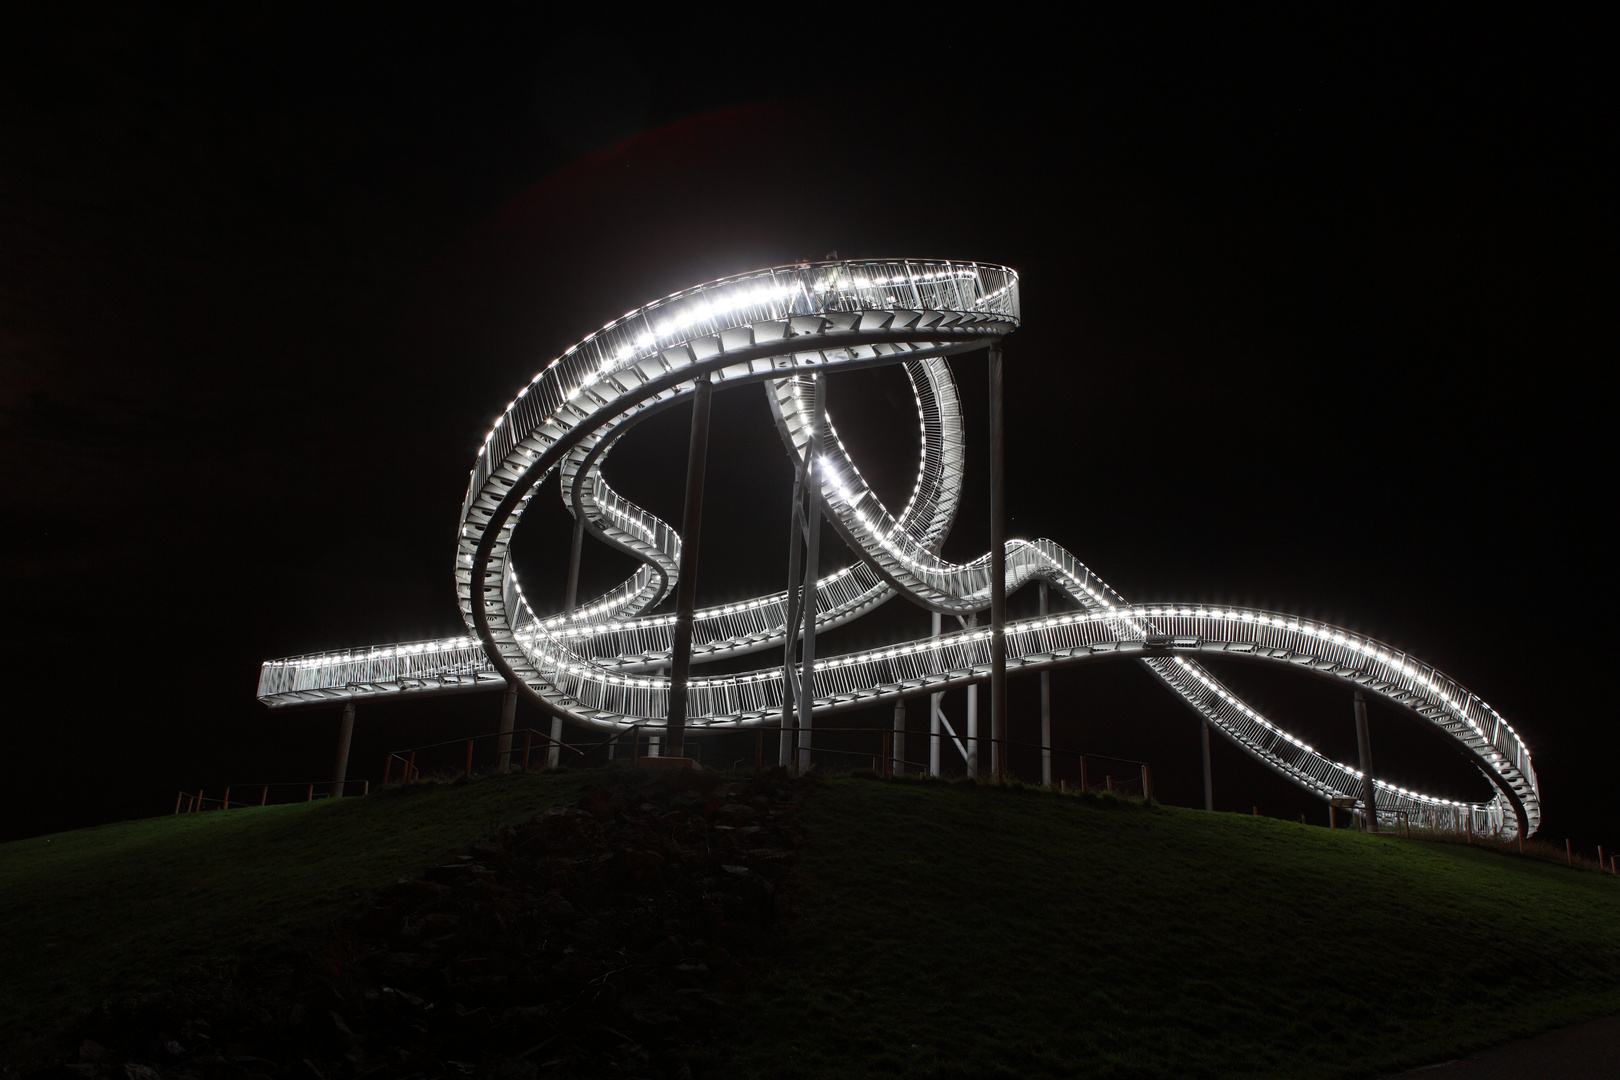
<point>188,802</point>
<point>848,748</point>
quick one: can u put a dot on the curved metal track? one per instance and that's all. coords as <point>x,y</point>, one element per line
<point>778,328</point>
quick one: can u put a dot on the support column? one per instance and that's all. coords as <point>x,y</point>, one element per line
<point>1209,784</point>
<point>570,602</point>
<point>790,624</point>
<point>680,661</point>
<point>1364,745</point>
<point>812,565</point>
<point>933,717</point>
<point>897,757</point>
<point>345,735</point>
<point>554,747</point>
<point>1046,709</point>
<point>503,745</point>
<point>571,597</point>
<point>972,739</point>
<point>998,574</point>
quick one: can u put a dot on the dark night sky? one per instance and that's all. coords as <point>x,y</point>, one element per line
<point>1310,323</point>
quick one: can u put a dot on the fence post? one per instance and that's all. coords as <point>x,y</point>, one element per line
<point>469,757</point>
<point>1108,779</point>
<point>1569,854</point>
<point>889,761</point>
<point>225,804</point>
<point>388,765</point>
<point>1085,785</point>
<point>528,742</point>
<point>197,806</point>
<point>1333,822</point>
<point>410,766</point>
<point>1147,784</point>
<point>309,796</point>
<point>1256,811</point>
<point>177,797</point>
<point>635,745</point>
<point>1521,841</point>
<point>1470,826</point>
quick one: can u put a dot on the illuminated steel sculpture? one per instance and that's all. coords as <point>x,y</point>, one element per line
<point>600,664</point>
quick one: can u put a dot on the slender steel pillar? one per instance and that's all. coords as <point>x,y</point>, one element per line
<point>345,735</point>
<point>812,566</point>
<point>998,573</point>
<point>973,729</point>
<point>571,597</point>
<point>503,745</point>
<point>1046,709</point>
<point>790,723</point>
<point>1364,745</point>
<point>933,718</point>
<point>570,602</point>
<point>680,661</point>
<point>1209,783</point>
<point>897,756</point>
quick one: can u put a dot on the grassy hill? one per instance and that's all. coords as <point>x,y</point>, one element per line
<point>129,908</point>
<point>938,929</point>
<point>954,930</point>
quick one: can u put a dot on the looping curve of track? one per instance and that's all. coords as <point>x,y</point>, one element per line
<point>778,329</point>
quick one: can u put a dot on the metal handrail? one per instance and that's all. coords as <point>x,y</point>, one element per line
<point>778,328</point>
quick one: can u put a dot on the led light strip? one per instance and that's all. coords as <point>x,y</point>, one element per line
<point>778,327</point>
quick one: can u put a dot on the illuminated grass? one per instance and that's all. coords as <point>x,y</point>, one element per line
<point>950,930</point>
<point>128,908</point>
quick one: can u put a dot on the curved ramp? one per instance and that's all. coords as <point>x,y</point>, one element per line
<point>778,328</point>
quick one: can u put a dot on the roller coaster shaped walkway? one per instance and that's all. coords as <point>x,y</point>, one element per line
<point>601,663</point>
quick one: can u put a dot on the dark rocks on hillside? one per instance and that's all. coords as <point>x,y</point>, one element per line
<point>597,939</point>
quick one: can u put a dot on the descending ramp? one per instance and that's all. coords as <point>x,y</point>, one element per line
<point>599,666</point>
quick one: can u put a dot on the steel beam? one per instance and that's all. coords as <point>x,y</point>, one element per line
<point>503,745</point>
<point>1364,745</point>
<point>998,572</point>
<point>345,734</point>
<point>680,661</point>
<point>812,564</point>
<point>1046,707</point>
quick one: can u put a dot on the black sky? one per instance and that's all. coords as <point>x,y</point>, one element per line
<point>1312,322</point>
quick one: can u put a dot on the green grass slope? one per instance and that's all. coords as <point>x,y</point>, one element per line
<point>129,908</point>
<point>938,929</point>
<point>952,930</point>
